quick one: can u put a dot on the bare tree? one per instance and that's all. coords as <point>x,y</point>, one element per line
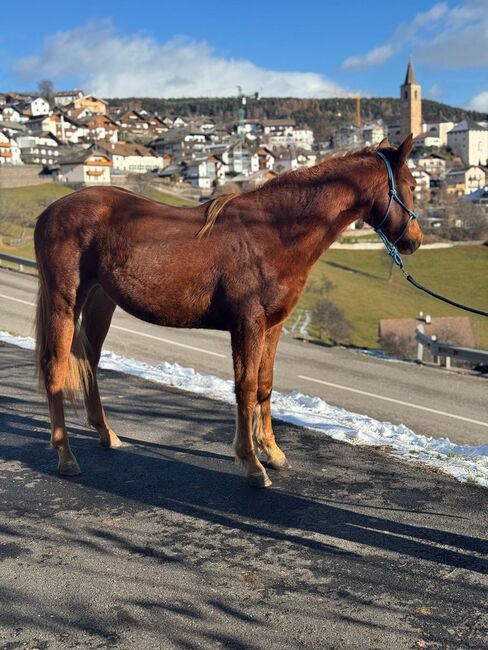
<point>46,90</point>
<point>327,318</point>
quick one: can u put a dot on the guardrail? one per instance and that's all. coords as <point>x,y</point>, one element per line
<point>447,351</point>
<point>20,261</point>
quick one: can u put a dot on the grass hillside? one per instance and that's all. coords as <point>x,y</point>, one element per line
<point>362,291</point>
<point>20,207</point>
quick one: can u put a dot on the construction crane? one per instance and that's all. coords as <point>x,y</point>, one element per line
<point>357,121</point>
<point>242,113</point>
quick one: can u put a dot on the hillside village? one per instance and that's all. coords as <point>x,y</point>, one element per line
<point>79,139</point>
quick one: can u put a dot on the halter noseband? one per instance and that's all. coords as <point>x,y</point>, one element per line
<point>393,196</point>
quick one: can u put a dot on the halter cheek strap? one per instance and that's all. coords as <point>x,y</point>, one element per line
<point>393,196</point>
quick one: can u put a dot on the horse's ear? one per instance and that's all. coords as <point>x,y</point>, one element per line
<point>404,150</point>
<point>384,144</point>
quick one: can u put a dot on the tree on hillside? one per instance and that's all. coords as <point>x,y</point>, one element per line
<point>46,90</point>
<point>327,318</point>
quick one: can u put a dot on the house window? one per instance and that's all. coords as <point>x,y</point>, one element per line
<point>406,94</point>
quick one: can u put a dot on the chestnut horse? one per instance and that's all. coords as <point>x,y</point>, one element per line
<point>183,267</point>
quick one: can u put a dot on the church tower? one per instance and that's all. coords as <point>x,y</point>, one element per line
<point>410,105</point>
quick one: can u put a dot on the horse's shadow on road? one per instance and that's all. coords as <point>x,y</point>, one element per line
<point>187,475</point>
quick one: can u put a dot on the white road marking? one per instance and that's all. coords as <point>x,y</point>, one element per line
<point>395,401</point>
<point>147,336</point>
<point>24,302</point>
<point>312,379</point>
<point>159,338</point>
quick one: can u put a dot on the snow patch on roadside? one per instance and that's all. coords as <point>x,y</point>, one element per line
<point>464,462</point>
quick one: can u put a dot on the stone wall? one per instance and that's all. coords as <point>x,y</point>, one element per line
<point>22,175</point>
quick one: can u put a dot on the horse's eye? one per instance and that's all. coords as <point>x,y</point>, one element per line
<point>412,187</point>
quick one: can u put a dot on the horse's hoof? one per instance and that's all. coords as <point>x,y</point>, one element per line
<point>280,464</point>
<point>114,442</point>
<point>259,480</point>
<point>70,468</point>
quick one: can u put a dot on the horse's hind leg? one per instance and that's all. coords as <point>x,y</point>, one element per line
<point>262,425</point>
<point>247,347</point>
<point>97,316</point>
<point>60,329</point>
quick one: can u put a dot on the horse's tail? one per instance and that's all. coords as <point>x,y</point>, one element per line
<point>79,373</point>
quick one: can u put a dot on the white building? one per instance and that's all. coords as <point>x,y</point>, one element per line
<point>426,141</point>
<point>434,164</point>
<point>9,150</point>
<point>303,137</point>
<point>42,149</point>
<point>11,113</point>
<point>462,181</point>
<point>422,180</point>
<point>374,132</point>
<point>279,133</point>
<point>65,97</point>
<point>39,106</point>
<point>469,140</point>
<point>438,129</point>
<point>85,167</point>
<point>204,172</point>
<point>131,158</point>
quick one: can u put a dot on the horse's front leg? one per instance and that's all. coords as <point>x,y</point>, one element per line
<point>247,348</point>
<point>262,425</point>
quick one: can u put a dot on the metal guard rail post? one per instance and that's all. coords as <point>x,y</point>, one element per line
<point>448,350</point>
<point>21,261</point>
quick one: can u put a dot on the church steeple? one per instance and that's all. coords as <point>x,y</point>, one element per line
<point>410,76</point>
<point>410,104</point>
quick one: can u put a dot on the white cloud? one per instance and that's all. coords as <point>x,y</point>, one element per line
<point>402,37</point>
<point>479,102</point>
<point>434,92</point>
<point>376,56</point>
<point>105,62</point>
<point>443,38</point>
<point>462,41</point>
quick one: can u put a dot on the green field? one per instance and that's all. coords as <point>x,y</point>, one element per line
<point>362,291</point>
<point>360,278</point>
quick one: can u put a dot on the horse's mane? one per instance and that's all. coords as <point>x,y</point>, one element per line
<point>214,208</point>
<point>301,175</point>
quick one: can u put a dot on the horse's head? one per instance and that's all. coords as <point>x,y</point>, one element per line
<point>392,213</point>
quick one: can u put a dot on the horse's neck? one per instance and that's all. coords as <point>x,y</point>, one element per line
<point>310,218</point>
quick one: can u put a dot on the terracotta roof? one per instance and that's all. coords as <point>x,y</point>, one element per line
<point>454,329</point>
<point>125,149</point>
<point>77,155</point>
<point>280,122</point>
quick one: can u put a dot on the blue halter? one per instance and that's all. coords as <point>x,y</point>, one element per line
<point>393,196</point>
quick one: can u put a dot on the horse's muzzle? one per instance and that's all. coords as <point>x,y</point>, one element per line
<point>411,240</point>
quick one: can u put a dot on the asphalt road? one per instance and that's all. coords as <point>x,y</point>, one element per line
<point>430,401</point>
<point>161,544</point>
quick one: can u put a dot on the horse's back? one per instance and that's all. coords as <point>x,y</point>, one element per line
<point>144,254</point>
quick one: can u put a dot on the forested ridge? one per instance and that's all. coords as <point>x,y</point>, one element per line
<point>324,116</point>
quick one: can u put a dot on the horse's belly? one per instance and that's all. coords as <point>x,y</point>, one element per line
<point>162,299</point>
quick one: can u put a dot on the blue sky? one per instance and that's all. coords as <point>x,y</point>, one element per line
<point>278,48</point>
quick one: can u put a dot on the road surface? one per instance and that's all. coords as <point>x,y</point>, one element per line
<point>162,545</point>
<point>430,401</point>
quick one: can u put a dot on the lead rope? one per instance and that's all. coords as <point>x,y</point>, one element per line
<point>393,250</point>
